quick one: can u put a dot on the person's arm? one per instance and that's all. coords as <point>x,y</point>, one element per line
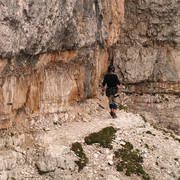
<point>120,84</point>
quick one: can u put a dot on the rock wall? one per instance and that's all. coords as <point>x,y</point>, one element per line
<point>52,53</point>
<point>147,56</point>
<point>34,27</point>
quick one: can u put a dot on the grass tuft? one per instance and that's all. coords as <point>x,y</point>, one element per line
<point>122,107</point>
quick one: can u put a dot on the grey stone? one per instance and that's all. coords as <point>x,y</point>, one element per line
<point>46,164</point>
<point>35,27</point>
<point>56,157</point>
<point>10,160</point>
<point>148,49</point>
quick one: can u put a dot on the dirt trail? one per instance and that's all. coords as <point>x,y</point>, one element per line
<point>76,131</point>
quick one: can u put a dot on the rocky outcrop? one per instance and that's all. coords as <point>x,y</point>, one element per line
<point>53,52</point>
<point>149,47</point>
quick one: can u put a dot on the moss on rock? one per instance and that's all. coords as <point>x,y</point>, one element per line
<point>78,150</point>
<point>103,138</point>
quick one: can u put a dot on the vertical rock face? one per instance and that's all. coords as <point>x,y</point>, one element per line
<point>34,27</point>
<point>52,53</point>
<point>149,47</point>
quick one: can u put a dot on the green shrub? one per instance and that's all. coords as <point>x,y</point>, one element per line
<point>130,161</point>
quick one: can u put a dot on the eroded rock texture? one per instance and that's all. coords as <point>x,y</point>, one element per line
<point>149,47</point>
<point>53,52</point>
<point>35,27</point>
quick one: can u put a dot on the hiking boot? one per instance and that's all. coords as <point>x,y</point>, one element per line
<point>112,114</point>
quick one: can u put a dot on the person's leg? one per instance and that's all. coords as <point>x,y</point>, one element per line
<point>110,98</point>
<point>115,102</point>
<point>114,110</point>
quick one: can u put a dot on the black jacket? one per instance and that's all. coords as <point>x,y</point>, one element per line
<point>111,80</point>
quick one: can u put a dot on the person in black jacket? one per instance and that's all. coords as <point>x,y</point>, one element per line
<point>112,82</point>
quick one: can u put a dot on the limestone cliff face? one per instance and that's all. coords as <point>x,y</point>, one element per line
<point>53,52</point>
<point>148,52</point>
<point>34,27</point>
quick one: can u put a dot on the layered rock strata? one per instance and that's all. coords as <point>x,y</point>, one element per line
<point>53,52</point>
<point>147,56</point>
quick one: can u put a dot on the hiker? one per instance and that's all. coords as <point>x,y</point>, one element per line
<point>112,81</point>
